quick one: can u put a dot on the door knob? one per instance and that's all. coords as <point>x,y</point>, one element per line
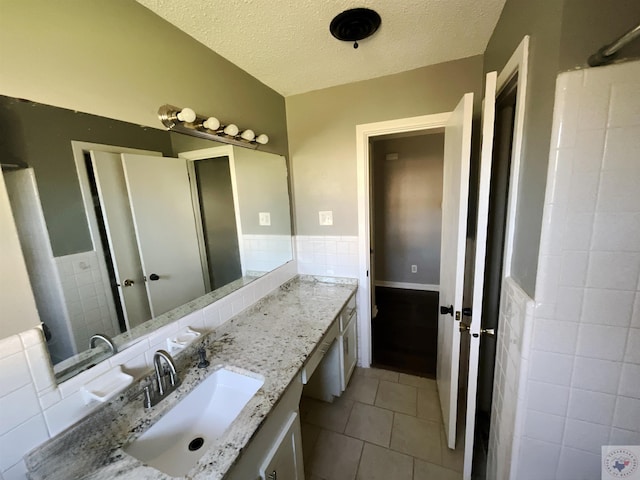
<point>446,310</point>
<point>466,312</point>
<point>153,277</point>
<point>128,282</point>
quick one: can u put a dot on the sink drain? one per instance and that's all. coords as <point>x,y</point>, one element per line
<point>196,444</point>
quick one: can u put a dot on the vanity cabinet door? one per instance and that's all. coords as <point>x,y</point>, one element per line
<point>349,351</point>
<point>284,460</point>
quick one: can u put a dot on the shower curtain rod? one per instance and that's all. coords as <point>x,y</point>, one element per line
<point>608,52</point>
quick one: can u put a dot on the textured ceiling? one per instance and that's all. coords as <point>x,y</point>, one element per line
<point>286,44</point>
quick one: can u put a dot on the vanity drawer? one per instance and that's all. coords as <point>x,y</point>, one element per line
<point>347,313</point>
<point>319,352</point>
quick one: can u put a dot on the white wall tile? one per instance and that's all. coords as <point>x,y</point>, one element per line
<point>578,464</point>
<point>597,375</point>
<point>547,398</point>
<point>606,343</point>
<point>616,232</point>
<point>17,472</point>
<point>632,350</point>
<point>621,150</point>
<point>583,194</point>
<point>538,460</point>
<point>607,307</point>
<point>15,372</point>
<point>624,109</point>
<point>15,443</point>
<point>594,407</point>
<point>40,367</point>
<point>10,346</point>
<point>573,269</point>
<point>555,336</point>
<point>18,406</point>
<point>543,426</point>
<point>618,191</point>
<point>586,435</point>
<point>66,412</point>
<point>613,270</point>
<point>551,367</point>
<point>619,436</point>
<point>627,414</point>
<point>635,317</point>
<point>630,381</point>
<point>594,108</point>
<point>576,231</point>
<point>569,305</point>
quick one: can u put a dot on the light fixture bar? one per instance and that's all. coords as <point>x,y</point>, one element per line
<point>175,119</point>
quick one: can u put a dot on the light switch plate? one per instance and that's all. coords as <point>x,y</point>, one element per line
<point>326,218</point>
<point>264,219</point>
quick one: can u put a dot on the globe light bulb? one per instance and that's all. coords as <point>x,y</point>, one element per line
<point>211,123</point>
<point>231,130</point>
<point>262,139</point>
<point>248,135</point>
<point>186,115</point>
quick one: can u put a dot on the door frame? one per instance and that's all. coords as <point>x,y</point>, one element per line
<point>204,154</point>
<point>516,65</point>
<point>364,132</point>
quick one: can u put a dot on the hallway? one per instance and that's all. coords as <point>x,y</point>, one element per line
<point>405,331</point>
<point>386,425</point>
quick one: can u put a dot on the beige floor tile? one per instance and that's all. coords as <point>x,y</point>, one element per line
<point>429,405</point>
<point>452,459</point>
<point>379,463</point>
<point>387,375</point>
<point>416,437</point>
<point>309,438</point>
<point>362,389</point>
<point>370,423</point>
<point>420,382</point>
<point>330,416</point>
<point>397,397</point>
<point>429,471</point>
<point>336,457</point>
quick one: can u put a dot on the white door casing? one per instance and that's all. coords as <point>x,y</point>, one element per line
<point>363,133</point>
<point>455,195</point>
<point>488,121</point>
<point>160,197</point>
<point>118,222</point>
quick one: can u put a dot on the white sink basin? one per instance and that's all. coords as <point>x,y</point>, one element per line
<point>176,442</point>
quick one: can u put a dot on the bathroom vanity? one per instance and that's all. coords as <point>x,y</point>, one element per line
<point>302,333</point>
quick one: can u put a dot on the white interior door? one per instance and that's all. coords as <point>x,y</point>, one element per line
<point>123,248</point>
<point>488,121</point>
<point>164,219</point>
<point>455,195</point>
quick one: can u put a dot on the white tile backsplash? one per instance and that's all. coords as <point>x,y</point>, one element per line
<point>591,406</point>
<point>33,408</point>
<point>335,256</point>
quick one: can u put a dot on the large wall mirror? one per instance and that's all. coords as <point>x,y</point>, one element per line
<point>121,225</point>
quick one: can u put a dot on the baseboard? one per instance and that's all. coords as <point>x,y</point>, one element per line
<point>408,286</point>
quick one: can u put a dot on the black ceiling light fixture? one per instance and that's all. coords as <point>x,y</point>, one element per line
<point>355,24</point>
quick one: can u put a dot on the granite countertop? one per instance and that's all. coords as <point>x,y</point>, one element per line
<point>273,338</point>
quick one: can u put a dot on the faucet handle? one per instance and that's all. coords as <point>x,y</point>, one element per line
<point>203,363</point>
<point>146,390</point>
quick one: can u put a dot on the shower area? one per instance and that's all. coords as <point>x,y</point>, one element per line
<point>568,369</point>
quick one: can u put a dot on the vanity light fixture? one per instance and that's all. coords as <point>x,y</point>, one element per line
<point>185,120</point>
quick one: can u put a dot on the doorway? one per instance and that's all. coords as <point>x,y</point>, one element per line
<point>406,218</point>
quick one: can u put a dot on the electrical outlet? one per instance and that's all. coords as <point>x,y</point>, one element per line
<point>264,218</point>
<point>326,218</point>
<point>414,268</point>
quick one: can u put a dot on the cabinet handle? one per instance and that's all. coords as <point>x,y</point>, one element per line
<point>346,344</point>
<point>273,476</point>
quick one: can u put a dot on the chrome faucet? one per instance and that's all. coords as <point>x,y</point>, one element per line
<point>158,358</point>
<point>105,338</point>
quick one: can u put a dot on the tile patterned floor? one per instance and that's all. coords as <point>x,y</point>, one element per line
<point>386,425</point>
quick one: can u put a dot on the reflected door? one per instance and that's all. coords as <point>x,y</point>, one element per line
<point>455,195</point>
<point>119,231</point>
<point>165,227</point>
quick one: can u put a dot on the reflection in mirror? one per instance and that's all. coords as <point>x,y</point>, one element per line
<point>119,225</point>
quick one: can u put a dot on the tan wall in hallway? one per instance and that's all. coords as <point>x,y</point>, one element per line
<point>322,133</point>
<point>117,59</point>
